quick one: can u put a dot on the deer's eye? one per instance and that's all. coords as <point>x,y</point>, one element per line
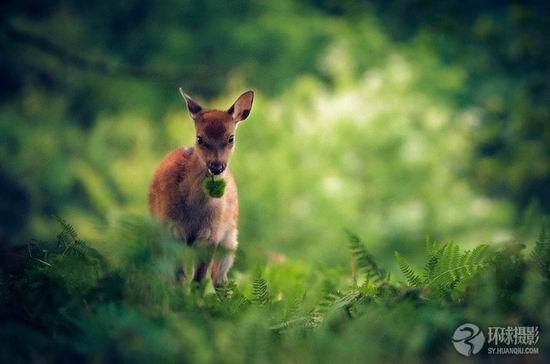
<point>199,140</point>
<point>231,139</point>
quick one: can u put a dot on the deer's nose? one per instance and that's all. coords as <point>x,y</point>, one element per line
<point>216,167</point>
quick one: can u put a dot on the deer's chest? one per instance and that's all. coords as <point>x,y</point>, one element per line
<point>200,218</point>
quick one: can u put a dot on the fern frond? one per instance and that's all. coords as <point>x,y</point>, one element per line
<point>446,269</point>
<point>431,247</point>
<point>231,297</point>
<point>67,228</point>
<point>479,256</point>
<point>365,261</point>
<point>454,257</point>
<point>67,237</point>
<point>286,324</point>
<point>294,316</point>
<point>328,300</point>
<point>413,279</point>
<point>346,300</point>
<point>455,268</point>
<point>260,291</point>
<point>314,319</point>
<point>442,265</point>
<point>541,253</point>
<point>433,254</point>
<point>226,291</point>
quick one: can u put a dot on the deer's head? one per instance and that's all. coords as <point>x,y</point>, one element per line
<point>215,130</point>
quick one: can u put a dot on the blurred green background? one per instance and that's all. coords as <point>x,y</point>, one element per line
<point>396,120</point>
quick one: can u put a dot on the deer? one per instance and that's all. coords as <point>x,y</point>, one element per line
<point>177,197</point>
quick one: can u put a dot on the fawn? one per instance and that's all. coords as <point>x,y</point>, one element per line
<point>177,197</point>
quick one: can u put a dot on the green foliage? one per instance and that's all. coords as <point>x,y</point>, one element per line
<point>446,269</point>
<point>232,299</point>
<point>68,242</point>
<point>541,252</point>
<point>397,119</point>
<point>214,187</point>
<point>72,302</point>
<point>413,279</point>
<point>386,126</point>
<point>365,261</point>
<point>260,291</point>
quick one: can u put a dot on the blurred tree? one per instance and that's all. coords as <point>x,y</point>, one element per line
<point>504,47</point>
<point>91,86</point>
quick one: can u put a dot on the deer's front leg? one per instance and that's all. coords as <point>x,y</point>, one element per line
<point>220,267</point>
<point>204,251</point>
<point>224,258</point>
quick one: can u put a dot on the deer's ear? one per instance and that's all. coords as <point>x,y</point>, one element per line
<point>241,108</point>
<point>193,106</point>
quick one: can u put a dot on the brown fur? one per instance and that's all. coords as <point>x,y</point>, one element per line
<point>176,195</point>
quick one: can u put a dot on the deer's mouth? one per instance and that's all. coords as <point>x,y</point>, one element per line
<point>216,168</point>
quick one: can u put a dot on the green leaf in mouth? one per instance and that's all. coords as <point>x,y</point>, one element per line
<point>214,187</point>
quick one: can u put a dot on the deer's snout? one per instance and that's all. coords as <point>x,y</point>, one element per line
<point>216,167</point>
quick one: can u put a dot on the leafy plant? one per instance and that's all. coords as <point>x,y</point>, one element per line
<point>364,262</point>
<point>260,291</point>
<point>446,268</point>
<point>541,253</point>
<point>65,305</point>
